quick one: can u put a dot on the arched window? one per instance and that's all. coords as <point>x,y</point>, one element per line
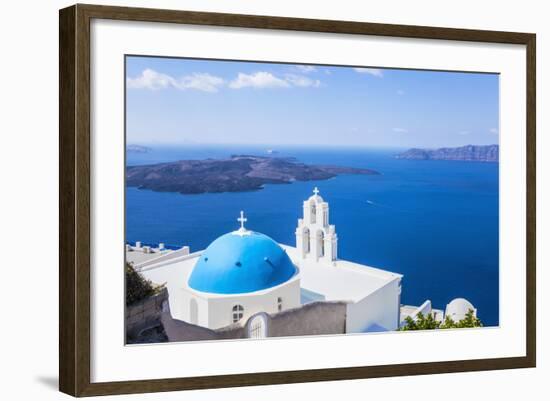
<point>307,245</point>
<point>279,304</point>
<point>313,212</point>
<point>237,313</point>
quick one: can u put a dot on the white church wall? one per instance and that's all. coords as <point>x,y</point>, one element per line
<point>181,305</point>
<point>174,273</point>
<point>220,308</point>
<point>378,311</point>
<point>203,304</point>
<point>175,298</point>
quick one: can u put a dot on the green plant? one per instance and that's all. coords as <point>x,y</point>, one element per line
<point>448,323</point>
<point>469,320</point>
<point>421,322</point>
<point>429,323</point>
<point>137,287</point>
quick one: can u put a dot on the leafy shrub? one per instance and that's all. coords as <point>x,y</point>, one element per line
<point>137,287</point>
<point>421,323</point>
<point>469,321</point>
<point>429,323</point>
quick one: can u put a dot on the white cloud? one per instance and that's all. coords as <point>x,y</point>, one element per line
<point>266,80</point>
<point>202,81</point>
<point>493,130</point>
<point>400,130</point>
<point>153,80</point>
<point>150,79</point>
<point>302,81</point>
<point>306,68</point>
<point>371,71</point>
<point>258,80</point>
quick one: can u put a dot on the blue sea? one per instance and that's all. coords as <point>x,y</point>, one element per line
<point>435,222</point>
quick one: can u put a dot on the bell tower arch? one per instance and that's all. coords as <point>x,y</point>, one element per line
<point>315,238</point>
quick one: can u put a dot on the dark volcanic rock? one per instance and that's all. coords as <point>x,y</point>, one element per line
<point>238,173</point>
<point>482,153</point>
<point>152,335</point>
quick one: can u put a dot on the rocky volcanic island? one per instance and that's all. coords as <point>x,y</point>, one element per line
<point>478,153</point>
<point>237,173</point>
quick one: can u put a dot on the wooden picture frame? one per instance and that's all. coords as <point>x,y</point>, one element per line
<point>74,199</point>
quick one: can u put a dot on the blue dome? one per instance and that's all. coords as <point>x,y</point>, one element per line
<point>236,264</point>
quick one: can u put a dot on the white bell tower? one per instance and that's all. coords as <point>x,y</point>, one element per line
<point>315,238</point>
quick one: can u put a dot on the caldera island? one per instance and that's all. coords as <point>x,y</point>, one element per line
<point>234,174</point>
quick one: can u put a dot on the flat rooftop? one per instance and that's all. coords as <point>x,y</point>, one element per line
<point>137,256</point>
<point>173,271</point>
<point>338,281</point>
<point>341,280</point>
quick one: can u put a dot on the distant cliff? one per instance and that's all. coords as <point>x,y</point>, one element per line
<point>137,149</point>
<point>238,173</point>
<point>481,153</point>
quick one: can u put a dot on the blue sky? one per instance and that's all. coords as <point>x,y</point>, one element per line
<point>185,101</point>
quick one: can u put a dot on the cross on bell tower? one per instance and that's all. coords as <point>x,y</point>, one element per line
<point>316,191</point>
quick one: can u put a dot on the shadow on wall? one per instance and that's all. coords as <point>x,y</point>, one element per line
<point>50,382</point>
<point>316,318</point>
<point>144,315</point>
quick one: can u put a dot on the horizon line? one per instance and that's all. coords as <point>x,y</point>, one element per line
<point>271,146</point>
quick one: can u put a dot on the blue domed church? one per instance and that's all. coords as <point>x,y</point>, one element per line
<point>247,284</point>
<point>241,262</point>
<point>238,275</point>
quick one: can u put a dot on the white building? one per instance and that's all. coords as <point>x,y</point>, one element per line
<point>244,274</point>
<point>316,239</point>
<point>458,308</point>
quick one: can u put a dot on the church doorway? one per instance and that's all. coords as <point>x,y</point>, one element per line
<point>257,327</point>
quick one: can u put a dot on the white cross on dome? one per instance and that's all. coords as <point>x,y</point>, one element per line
<point>242,220</point>
<point>242,230</point>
